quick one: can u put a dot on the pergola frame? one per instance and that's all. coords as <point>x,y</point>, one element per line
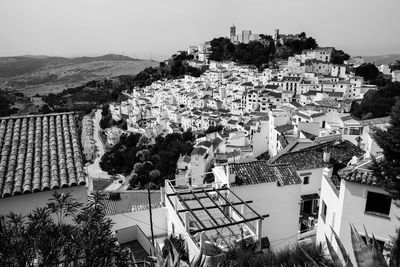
<point>207,192</point>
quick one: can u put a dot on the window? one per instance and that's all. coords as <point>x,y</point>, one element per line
<point>355,131</point>
<point>306,179</point>
<point>324,211</point>
<point>378,204</point>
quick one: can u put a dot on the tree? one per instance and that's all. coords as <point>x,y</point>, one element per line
<point>132,153</point>
<point>16,248</point>
<point>5,106</point>
<point>377,103</point>
<point>99,246</point>
<point>221,49</point>
<point>188,135</point>
<point>338,56</point>
<point>368,71</point>
<point>388,170</point>
<point>76,236</point>
<point>105,110</point>
<point>366,252</point>
<point>143,141</point>
<point>213,129</point>
<point>154,175</point>
<point>395,66</point>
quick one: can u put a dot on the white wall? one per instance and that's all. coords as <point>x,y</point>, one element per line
<point>24,204</point>
<point>260,139</point>
<point>142,219</point>
<point>334,211</point>
<point>348,208</point>
<point>131,233</point>
<point>315,181</point>
<point>355,197</point>
<point>283,206</point>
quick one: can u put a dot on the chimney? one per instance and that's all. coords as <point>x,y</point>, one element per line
<point>327,154</point>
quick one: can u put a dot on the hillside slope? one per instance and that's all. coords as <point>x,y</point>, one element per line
<point>382,59</point>
<point>42,75</point>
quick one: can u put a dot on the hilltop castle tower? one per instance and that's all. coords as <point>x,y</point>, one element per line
<point>232,33</point>
<point>276,35</point>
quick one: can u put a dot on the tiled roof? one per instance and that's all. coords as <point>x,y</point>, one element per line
<point>100,184</point>
<point>296,104</point>
<point>309,135</point>
<point>327,102</point>
<point>302,160</point>
<point>270,86</point>
<point>282,140</point>
<point>216,142</point>
<point>310,93</point>
<point>336,94</point>
<point>123,202</point>
<point>199,151</point>
<point>284,128</point>
<point>276,95</point>
<point>205,143</point>
<point>257,172</point>
<point>186,159</point>
<point>312,157</point>
<point>347,118</point>
<point>372,122</point>
<point>247,84</point>
<point>292,79</point>
<point>316,115</point>
<point>360,173</point>
<point>39,153</point>
<point>303,115</point>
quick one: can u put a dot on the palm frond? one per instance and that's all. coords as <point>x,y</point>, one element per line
<point>395,252</point>
<point>335,257</point>
<point>362,253</point>
<point>345,255</point>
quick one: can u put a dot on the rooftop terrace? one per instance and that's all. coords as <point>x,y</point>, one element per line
<point>218,212</point>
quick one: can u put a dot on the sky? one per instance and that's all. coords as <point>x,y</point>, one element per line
<point>158,28</point>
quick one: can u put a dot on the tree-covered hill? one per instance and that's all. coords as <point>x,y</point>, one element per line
<point>259,52</point>
<point>87,97</point>
<point>175,67</point>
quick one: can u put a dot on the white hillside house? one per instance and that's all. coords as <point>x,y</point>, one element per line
<point>356,199</point>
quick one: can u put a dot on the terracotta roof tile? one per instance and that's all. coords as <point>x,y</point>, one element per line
<point>257,172</point>
<point>360,173</point>
<point>312,157</point>
<point>39,152</point>
<point>284,128</point>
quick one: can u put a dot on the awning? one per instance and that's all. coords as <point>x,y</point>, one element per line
<point>310,196</point>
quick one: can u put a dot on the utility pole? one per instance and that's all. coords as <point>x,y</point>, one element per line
<point>151,217</point>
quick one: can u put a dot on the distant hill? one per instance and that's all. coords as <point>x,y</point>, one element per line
<point>382,59</point>
<point>41,74</point>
